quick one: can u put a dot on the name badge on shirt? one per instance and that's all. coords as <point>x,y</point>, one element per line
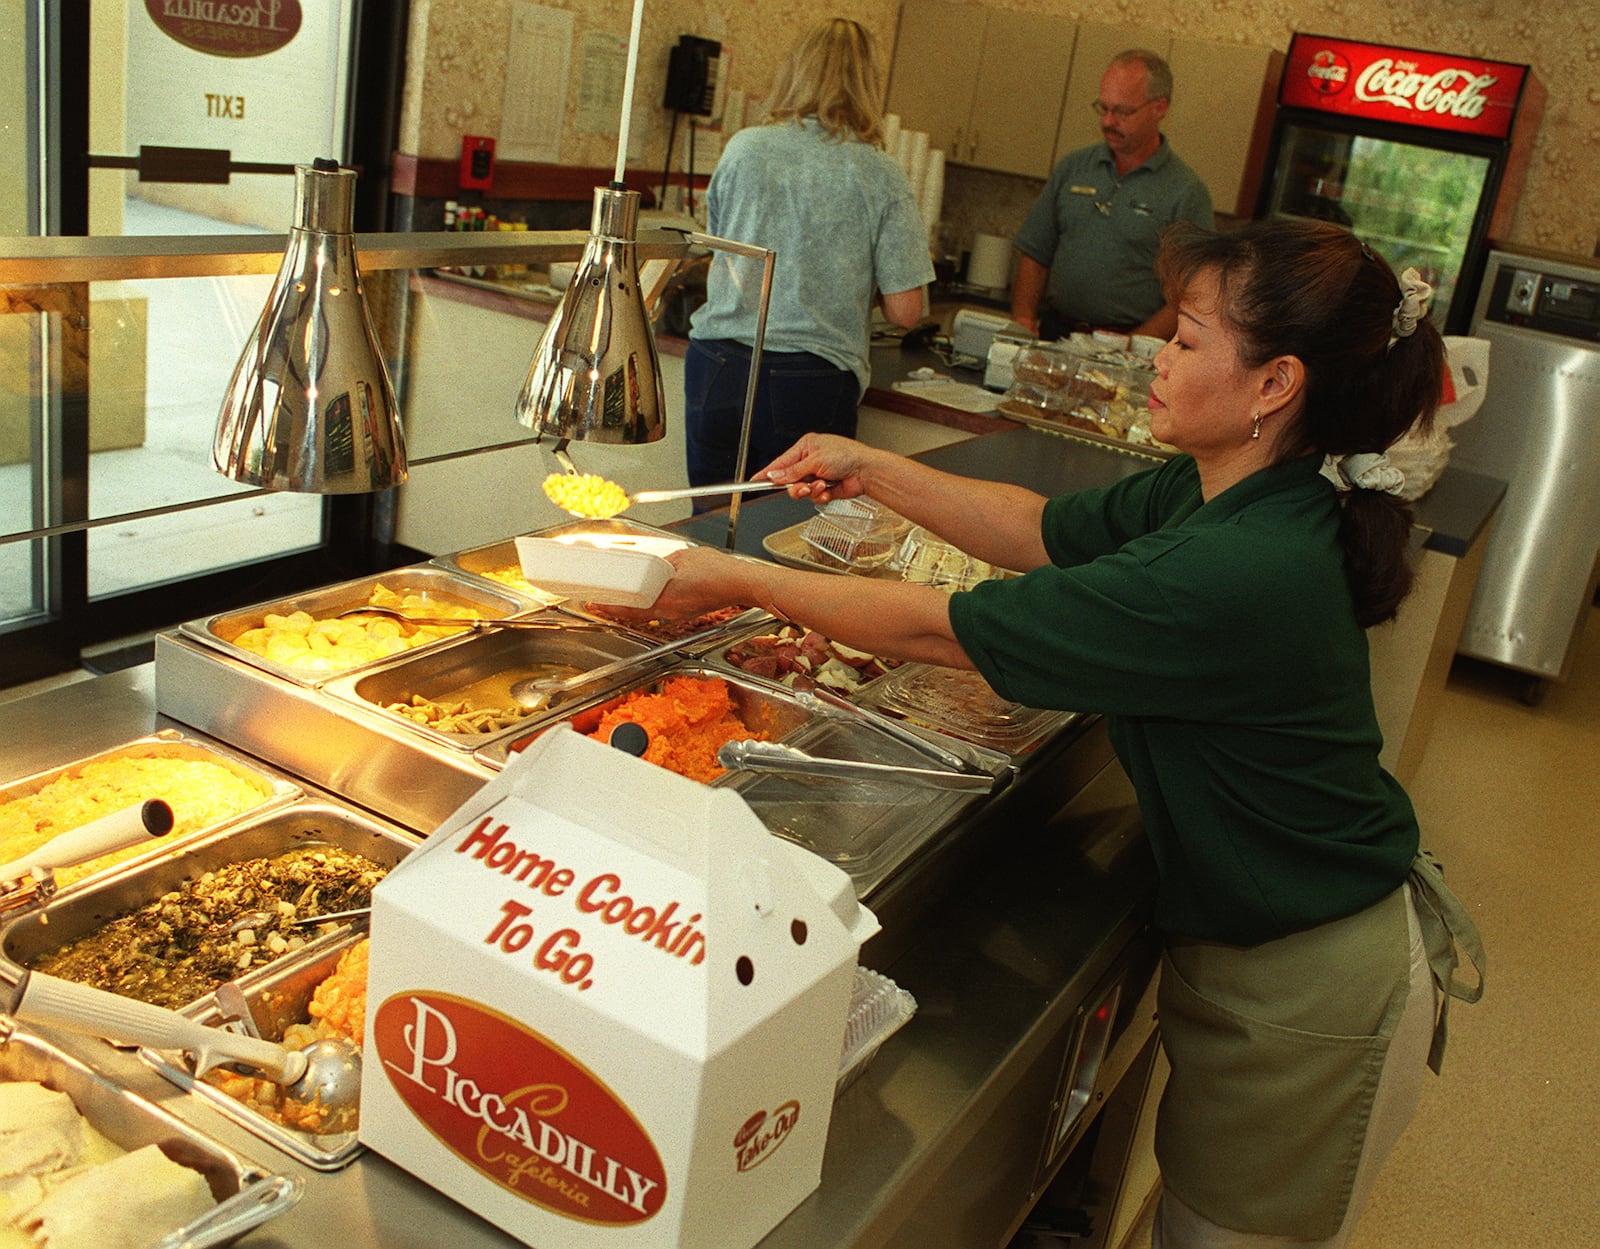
<point>1084,190</point>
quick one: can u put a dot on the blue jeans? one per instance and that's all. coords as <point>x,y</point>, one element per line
<point>796,393</point>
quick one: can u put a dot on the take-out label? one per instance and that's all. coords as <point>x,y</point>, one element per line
<point>761,1134</point>
<point>518,1108</point>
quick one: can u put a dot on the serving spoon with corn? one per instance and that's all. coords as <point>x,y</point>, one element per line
<point>591,497</point>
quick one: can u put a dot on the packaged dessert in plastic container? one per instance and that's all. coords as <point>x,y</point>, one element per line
<point>856,534</point>
<point>925,558</point>
<point>878,1009</point>
<point>102,1166</point>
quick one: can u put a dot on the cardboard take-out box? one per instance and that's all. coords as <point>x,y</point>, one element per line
<point>606,1006</point>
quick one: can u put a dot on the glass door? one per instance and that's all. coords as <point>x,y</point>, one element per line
<point>192,124</point>
<point>1416,206</point>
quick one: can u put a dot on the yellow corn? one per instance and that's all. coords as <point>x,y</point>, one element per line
<point>586,494</point>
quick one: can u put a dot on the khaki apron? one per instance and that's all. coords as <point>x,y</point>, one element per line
<point>1276,1051</point>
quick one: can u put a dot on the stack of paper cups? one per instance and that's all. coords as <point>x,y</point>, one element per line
<point>930,199</point>
<point>917,160</point>
<point>990,262</point>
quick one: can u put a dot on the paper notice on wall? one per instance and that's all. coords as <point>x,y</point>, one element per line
<point>538,60</point>
<point>602,70</point>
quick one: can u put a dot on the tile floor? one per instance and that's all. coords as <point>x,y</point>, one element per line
<point>1501,1154</point>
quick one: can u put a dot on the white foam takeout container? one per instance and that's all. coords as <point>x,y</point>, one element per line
<point>610,573</point>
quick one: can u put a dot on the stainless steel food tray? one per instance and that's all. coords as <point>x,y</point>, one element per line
<point>30,935</point>
<point>164,744</point>
<point>493,660</point>
<point>219,631</point>
<point>866,827</point>
<point>277,996</point>
<point>249,1196</point>
<point>719,654</point>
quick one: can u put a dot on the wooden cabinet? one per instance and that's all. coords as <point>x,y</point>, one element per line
<point>1011,92</point>
<point>1096,45</point>
<point>985,84</point>
<point>1220,119</point>
<point>1220,122</point>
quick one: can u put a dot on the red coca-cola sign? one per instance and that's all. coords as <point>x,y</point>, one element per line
<point>228,27</point>
<point>1379,83</point>
<point>519,1109</point>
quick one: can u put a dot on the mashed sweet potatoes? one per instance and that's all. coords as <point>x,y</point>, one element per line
<point>688,720</point>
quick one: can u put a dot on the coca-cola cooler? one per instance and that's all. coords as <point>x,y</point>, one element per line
<point>1420,154</point>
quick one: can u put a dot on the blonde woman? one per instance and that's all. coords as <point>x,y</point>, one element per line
<point>814,184</point>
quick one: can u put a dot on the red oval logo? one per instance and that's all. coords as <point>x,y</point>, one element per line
<point>227,27</point>
<point>519,1109</point>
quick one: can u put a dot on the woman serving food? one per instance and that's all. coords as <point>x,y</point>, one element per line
<point>1214,609</point>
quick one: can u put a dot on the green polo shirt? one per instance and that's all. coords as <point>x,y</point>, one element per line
<point>1220,641</point>
<point>1098,232</point>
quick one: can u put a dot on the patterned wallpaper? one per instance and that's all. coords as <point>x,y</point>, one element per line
<point>458,59</point>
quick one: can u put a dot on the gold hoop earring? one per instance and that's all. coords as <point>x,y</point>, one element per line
<point>1255,431</point>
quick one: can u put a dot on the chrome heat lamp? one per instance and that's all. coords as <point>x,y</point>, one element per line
<point>309,407</point>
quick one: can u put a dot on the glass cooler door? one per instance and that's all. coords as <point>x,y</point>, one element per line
<point>1415,205</point>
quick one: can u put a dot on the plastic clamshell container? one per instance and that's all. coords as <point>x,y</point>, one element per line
<point>277,996</point>
<point>927,559</point>
<point>854,534</point>
<point>578,568</point>
<point>878,1009</point>
<point>961,704</point>
<point>30,935</point>
<point>481,670</point>
<point>167,744</point>
<point>430,586</point>
<point>248,1195</point>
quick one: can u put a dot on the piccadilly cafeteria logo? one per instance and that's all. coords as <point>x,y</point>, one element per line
<point>1329,72</point>
<point>518,1109</point>
<point>227,27</point>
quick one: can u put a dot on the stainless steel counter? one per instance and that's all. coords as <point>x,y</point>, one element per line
<point>1028,917</point>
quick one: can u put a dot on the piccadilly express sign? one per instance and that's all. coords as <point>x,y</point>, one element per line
<point>227,27</point>
<point>1434,90</point>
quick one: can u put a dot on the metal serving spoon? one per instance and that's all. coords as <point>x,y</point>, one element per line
<point>535,693</point>
<point>477,624</point>
<point>325,1075</point>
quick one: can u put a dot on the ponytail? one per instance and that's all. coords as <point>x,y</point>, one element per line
<point>1311,289</point>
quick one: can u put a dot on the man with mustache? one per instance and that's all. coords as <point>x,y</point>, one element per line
<point>1088,246</point>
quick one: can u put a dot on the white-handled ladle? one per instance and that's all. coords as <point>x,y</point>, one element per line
<point>116,831</point>
<point>324,1076</point>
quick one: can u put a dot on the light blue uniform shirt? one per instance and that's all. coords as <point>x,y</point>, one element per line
<point>842,219</point>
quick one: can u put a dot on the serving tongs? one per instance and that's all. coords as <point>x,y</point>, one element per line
<point>758,756</point>
<point>824,701</point>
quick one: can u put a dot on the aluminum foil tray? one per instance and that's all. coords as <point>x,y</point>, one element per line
<point>481,670</point>
<point>959,703</point>
<point>30,935</point>
<point>277,996</point>
<point>430,584</point>
<point>248,1195</point>
<point>166,744</point>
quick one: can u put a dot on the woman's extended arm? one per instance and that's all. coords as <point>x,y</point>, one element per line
<point>888,618</point>
<point>993,521</point>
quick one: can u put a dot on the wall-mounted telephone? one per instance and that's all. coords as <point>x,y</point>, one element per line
<point>692,76</point>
